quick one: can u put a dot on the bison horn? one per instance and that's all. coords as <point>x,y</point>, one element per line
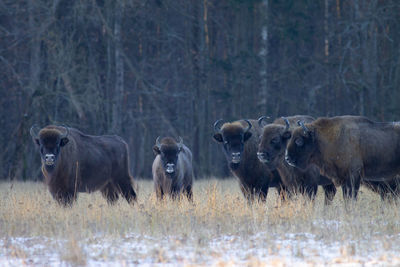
<point>65,133</point>
<point>217,126</point>
<point>180,142</point>
<point>34,131</point>
<point>158,144</point>
<point>261,120</point>
<point>286,122</point>
<point>301,123</point>
<point>249,127</point>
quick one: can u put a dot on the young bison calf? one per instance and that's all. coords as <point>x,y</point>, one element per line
<point>172,168</point>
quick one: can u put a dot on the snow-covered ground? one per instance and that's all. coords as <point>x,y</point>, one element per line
<point>302,249</point>
<point>218,229</point>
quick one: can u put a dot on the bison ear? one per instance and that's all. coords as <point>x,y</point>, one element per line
<point>64,141</point>
<point>218,137</point>
<point>286,135</point>
<point>156,150</point>
<point>246,136</point>
<point>36,140</point>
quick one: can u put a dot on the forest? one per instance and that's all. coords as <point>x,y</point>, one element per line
<point>147,68</point>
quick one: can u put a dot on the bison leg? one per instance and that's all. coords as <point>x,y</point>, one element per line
<point>284,192</point>
<point>351,187</point>
<point>251,193</point>
<point>330,192</point>
<point>65,198</point>
<point>159,193</point>
<point>377,187</point>
<point>311,191</point>
<point>127,190</point>
<point>175,192</point>
<point>390,191</point>
<point>110,193</point>
<point>395,190</point>
<point>189,193</point>
<point>383,190</point>
<point>247,193</point>
<point>263,192</point>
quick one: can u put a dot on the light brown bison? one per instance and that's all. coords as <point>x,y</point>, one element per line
<point>240,142</point>
<point>172,168</point>
<point>271,151</point>
<point>347,149</point>
<point>74,162</point>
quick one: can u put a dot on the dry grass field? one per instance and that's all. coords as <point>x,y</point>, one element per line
<point>218,229</point>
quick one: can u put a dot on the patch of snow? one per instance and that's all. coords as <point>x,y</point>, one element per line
<point>300,249</point>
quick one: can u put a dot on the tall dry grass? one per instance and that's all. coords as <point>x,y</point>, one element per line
<point>218,211</point>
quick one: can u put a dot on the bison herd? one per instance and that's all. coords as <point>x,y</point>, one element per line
<point>293,154</point>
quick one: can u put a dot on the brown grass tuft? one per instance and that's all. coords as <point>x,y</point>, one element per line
<point>219,228</point>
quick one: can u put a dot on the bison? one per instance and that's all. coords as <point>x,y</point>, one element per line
<point>347,149</point>
<point>240,142</point>
<point>172,168</point>
<point>74,162</point>
<point>271,151</point>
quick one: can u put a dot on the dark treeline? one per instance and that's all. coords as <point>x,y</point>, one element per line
<point>143,68</point>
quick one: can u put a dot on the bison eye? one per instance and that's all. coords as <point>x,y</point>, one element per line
<point>299,142</point>
<point>275,141</point>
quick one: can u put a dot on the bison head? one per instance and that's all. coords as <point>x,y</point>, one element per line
<point>50,140</point>
<point>273,141</point>
<point>232,136</point>
<point>300,147</point>
<point>168,149</point>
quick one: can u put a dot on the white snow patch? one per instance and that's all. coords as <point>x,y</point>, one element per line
<point>299,249</point>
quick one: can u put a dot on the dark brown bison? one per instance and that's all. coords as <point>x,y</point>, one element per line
<point>240,142</point>
<point>271,151</point>
<point>74,162</point>
<point>347,149</point>
<point>172,168</point>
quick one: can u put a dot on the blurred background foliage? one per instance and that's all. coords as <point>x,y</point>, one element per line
<point>144,68</point>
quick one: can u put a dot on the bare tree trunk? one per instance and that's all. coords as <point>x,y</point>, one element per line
<point>338,101</point>
<point>108,99</point>
<point>35,52</point>
<point>329,90</point>
<point>369,61</point>
<point>206,83</point>
<point>22,157</point>
<point>263,54</point>
<point>74,100</point>
<point>358,68</point>
<point>326,29</point>
<point>119,69</point>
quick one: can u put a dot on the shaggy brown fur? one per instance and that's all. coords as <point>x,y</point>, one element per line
<point>84,163</point>
<point>255,178</point>
<point>180,178</point>
<point>348,149</point>
<point>271,151</point>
